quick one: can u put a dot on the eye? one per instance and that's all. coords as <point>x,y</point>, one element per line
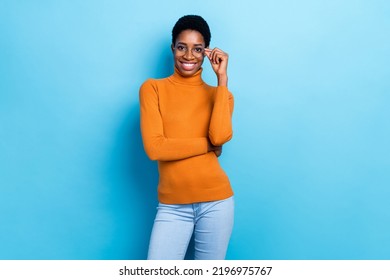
<point>198,50</point>
<point>180,48</point>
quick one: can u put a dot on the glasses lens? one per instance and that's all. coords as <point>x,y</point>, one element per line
<point>197,51</point>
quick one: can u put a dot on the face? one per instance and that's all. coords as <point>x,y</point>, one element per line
<point>188,52</point>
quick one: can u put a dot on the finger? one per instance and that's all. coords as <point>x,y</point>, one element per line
<point>215,57</point>
<point>207,51</point>
<point>212,58</point>
<point>207,54</point>
<point>211,53</point>
<point>215,50</point>
<point>218,51</point>
<point>219,56</point>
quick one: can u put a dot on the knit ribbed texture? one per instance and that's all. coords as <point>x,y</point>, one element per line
<point>178,116</point>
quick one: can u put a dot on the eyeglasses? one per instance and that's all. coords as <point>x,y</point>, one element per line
<point>197,51</point>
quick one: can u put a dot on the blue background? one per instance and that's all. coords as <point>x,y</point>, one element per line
<point>310,157</point>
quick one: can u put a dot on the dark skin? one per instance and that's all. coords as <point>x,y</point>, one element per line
<point>189,59</point>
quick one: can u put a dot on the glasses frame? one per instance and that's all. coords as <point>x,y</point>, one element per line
<point>193,51</point>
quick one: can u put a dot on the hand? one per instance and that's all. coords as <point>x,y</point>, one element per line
<point>216,149</point>
<point>219,62</point>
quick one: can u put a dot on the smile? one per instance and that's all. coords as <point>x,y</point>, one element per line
<point>188,65</point>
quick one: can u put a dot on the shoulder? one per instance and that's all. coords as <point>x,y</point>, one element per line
<point>151,89</point>
<point>150,85</point>
<point>154,83</point>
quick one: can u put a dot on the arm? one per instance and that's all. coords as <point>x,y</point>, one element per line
<point>156,145</point>
<point>220,129</point>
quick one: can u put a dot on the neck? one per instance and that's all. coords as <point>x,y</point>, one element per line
<point>194,80</point>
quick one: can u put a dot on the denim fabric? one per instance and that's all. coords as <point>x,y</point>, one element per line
<point>210,222</point>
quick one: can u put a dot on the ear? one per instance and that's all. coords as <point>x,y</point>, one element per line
<point>172,47</point>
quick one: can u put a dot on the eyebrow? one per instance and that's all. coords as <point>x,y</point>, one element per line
<point>181,43</point>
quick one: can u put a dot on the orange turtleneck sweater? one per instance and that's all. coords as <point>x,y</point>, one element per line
<point>178,116</point>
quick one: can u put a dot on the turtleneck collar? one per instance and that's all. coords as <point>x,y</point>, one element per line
<point>194,80</point>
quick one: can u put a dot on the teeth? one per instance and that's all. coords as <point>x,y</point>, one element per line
<point>188,64</point>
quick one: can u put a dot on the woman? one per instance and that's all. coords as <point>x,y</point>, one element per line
<point>184,123</point>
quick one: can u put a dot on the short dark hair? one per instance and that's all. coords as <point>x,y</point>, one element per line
<point>192,22</point>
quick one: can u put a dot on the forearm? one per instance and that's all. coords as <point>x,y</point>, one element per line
<point>222,80</point>
<point>168,149</point>
<point>220,129</point>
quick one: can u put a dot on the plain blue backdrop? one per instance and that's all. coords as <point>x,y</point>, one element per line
<point>310,157</point>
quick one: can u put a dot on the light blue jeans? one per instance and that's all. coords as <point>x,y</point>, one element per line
<point>210,222</point>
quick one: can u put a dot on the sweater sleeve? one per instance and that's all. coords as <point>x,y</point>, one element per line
<point>157,146</point>
<point>220,129</point>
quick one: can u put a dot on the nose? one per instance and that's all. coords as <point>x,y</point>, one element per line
<point>188,54</point>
